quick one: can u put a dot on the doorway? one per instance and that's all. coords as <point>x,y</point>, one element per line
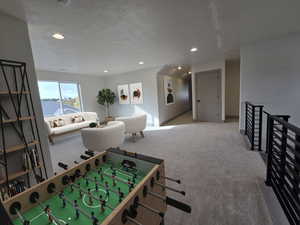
<point>208,95</point>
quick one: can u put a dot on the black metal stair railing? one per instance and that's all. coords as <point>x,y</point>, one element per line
<point>284,117</point>
<point>253,125</point>
<point>283,166</point>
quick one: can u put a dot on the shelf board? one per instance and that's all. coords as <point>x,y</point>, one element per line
<point>15,175</point>
<point>14,92</point>
<point>21,118</point>
<point>18,147</point>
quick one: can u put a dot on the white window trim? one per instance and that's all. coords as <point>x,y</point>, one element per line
<point>59,89</point>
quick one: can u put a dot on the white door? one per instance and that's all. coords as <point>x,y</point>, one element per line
<point>209,96</point>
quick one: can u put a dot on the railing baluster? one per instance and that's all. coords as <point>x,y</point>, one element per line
<point>297,172</point>
<point>260,128</point>
<point>283,144</point>
<point>283,155</point>
<point>270,150</point>
<point>253,125</point>
<point>246,118</point>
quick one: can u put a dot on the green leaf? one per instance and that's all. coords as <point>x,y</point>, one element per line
<point>106,97</point>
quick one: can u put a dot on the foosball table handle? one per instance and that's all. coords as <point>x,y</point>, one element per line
<point>179,205</point>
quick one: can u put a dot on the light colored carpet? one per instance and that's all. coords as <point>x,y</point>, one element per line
<point>223,180</point>
<point>185,118</point>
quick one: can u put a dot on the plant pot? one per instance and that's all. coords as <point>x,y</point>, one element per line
<point>109,118</point>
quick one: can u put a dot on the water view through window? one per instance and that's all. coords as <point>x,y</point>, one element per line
<point>59,97</point>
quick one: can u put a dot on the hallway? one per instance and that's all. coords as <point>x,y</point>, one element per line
<point>185,118</point>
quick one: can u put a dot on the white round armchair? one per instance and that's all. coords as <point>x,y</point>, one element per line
<point>100,139</point>
<point>134,124</point>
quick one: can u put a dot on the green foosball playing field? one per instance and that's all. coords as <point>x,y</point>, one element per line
<point>98,193</point>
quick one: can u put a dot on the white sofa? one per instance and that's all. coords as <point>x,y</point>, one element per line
<point>69,126</point>
<point>134,124</point>
<point>100,139</point>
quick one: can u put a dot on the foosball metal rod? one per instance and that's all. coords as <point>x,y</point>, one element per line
<point>90,195</point>
<point>126,172</point>
<point>97,182</point>
<point>112,177</point>
<point>80,209</point>
<point>172,202</point>
<point>151,209</point>
<point>51,214</point>
<point>133,221</point>
<point>24,221</point>
<point>169,188</point>
<point>157,195</point>
<point>171,179</point>
<point>117,178</point>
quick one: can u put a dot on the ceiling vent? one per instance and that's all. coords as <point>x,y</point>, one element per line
<point>64,2</point>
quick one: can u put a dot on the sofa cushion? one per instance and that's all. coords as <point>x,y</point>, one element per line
<point>77,119</point>
<point>58,123</point>
<point>51,123</point>
<point>89,117</point>
<point>64,129</point>
<point>84,124</point>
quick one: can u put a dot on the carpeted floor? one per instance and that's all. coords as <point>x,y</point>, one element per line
<point>186,118</point>
<point>223,180</point>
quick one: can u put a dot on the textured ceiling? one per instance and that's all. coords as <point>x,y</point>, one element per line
<point>117,34</point>
<point>268,19</point>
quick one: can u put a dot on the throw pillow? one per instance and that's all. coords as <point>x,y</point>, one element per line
<point>77,119</point>
<point>59,122</point>
<point>51,122</point>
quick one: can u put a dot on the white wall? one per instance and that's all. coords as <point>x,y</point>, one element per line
<point>181,105</point>
<point>270,75</point>
<point>232,108</point>
<point>149,82</point>
<point>207,67</point>
<point>89,87</point>
<point>15,45</point>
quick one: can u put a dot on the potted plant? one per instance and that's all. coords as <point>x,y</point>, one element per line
<point>106,97</point>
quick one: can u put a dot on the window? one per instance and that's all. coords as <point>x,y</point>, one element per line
<point>59,97</point>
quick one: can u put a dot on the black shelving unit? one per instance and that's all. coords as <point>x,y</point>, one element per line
<point>17,115</point>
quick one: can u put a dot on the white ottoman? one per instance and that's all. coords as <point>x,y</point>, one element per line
<point>100,139</point>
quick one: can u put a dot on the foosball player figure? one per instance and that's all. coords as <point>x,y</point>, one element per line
<point>101,177</point>
<point>86,181</point>
<point>100,170</point>
<point>114,173</point>
<point>134,179</point>
<point>76,207</point>
<point>102,203</point>
<point>72,188</point>
<point>96,184</point>
<point>95,220</point>
<point>90,197</point>
<point>114,181</point>
<point>121,195</point>
<point>26,222</point>
<point>62,197</point>
<point>130,185</point>
<point>107,189</point>
<point>48,212</point>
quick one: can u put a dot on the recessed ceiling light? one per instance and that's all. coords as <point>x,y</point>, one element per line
<point>58,36</point>
<point>105,71</point>
<point>193,49</point>
<point>179,67</point>
<point>141,63</point>
<point>190,72</point>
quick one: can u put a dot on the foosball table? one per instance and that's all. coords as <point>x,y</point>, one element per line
<point>113,187</point>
